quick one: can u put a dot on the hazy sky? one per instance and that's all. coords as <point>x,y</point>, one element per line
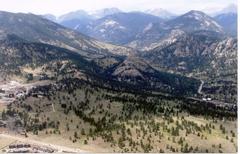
<point>59,7</point>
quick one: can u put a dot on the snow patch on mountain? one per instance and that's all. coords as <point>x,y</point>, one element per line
<point>148,27</point>
<point>110,23</point>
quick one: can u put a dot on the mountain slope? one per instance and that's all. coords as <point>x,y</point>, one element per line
<point>50,17</point>
<point>156,34</point>
<point>153,35</point>
<point>17,54</point>
<point>81,19</point>
<point>229,22</point>
<point>74,20</point>
<point>119,28</point>
<point>46,42</point>
<point>193,21</point>
<point>80,14</point>
<point>37,29</point>
<point>204,55</point>
<point>188,52</point>
<point>135,71</point>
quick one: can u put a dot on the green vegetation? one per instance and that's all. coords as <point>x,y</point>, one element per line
<point>125,122</point>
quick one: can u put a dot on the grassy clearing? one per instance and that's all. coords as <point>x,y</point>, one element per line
<point>103,121</point>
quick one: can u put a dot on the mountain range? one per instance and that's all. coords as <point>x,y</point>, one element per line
<point>168,31</point>
<point>115,81</point>
<point>41,41</point>
<point>119,28</point>
<point>144,30</point>
<point>134,49</point>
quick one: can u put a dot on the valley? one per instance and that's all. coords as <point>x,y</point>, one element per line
<point>114,81</point>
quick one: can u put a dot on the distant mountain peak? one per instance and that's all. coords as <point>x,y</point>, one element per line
<point>195,20</point>
<point>164,14</point>
<point>193,13</point>
<point>199,16</point>
<point>229,22</point>
<point>232,8</point>
<point>79,14</point>
<point>104,12</point>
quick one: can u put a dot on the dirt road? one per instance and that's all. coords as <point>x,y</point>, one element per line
<point>53,107</point>
<point>39,143</point>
